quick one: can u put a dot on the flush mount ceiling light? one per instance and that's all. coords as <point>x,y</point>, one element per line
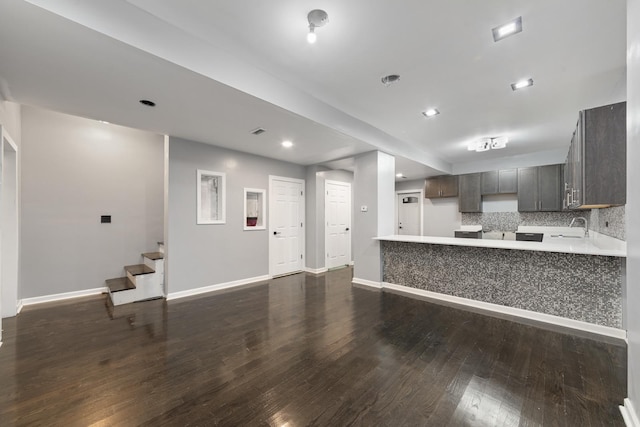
<point>316,18</point>
<point>390,79</point>
<point>522,84</point>
<point>431,112</point>
<point>486,144</point>
<point>287,144</point>
<point>508,29</point>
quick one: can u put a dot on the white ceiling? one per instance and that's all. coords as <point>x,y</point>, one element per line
<point>219,69</point>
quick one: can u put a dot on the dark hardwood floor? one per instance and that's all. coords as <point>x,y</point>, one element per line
<point>300,350</point>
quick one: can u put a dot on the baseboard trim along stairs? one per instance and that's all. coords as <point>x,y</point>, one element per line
<point>142,281</point>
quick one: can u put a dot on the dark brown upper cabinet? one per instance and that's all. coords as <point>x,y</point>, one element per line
<point>500,182</point>
<point>441,186</point>
<point>469,194</point>
<point>596,172</point>
<point>540,188</point>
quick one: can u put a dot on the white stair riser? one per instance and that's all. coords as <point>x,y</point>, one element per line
<point>147,285</point>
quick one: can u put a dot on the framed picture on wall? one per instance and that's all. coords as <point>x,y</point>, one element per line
<point>211,197</point>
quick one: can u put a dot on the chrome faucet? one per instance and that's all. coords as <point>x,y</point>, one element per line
<point>586,225</point>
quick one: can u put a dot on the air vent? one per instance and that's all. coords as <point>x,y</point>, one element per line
<point>258,131</point>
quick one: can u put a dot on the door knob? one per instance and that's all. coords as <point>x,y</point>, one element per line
<point>346,229</point>
<point>275,233</point>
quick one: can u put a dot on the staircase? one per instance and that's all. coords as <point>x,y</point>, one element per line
<point>142,282</point>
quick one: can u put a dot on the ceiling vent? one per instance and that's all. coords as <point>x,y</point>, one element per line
<point>258,131</point>
<point>390,79</point>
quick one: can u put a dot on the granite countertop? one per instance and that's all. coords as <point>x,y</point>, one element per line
<point>595,244</point>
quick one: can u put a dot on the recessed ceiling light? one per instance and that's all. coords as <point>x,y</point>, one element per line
<point>431,112</point>
<point>287,144</point>
<point>508,29</point>
<point>147,103</point>
<point>390,79</point>
<point>399,175</point>
<point>104,122</point>
<point>522,84</point>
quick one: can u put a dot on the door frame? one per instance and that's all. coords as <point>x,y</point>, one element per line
<point>12,222</point>
<point>421,208</point>
<point>326,228</point>
<point>301,213</point>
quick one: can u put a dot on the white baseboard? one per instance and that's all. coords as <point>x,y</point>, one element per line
<point>630,416</point>
<point>365,282</point>
<point>20,307</point>
<point>316,270</point>
<point>511,311</point>
<point>211,288</point>
<point>63,296</point>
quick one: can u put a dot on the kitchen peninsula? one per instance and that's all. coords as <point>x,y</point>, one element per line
<point>573,279</point>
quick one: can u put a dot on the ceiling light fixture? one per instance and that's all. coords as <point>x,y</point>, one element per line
<point>316,18</point>
<point>486,144</point>
<point>399,175</point>
<point>287,144</point>
<point>508,29</point>
<point>431,112</point>
<point>522,84</point>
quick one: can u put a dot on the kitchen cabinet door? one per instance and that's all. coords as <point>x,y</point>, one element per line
<point>597,159</point>
<point>489,182</point>
<point>432,188</point>
<point>469,194</point>
<point>550,188</point>
<point>448,186</point>
<point>441,186</point>
<point>528,189</point>
<point>507,181</point>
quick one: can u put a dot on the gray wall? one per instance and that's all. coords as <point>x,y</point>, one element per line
<point>73,171</point>
<point>633,200</point>
<point>10,119</point>
<point>205,255</point>
<point>314,256</point>
<point>373,186</point>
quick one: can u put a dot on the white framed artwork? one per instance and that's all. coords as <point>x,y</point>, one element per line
<point>211,197</point>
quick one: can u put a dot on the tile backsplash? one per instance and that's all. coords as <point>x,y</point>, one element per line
<point>609,221</point>
<point>509,221</point>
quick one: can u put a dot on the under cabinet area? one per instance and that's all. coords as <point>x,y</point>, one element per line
<point>540,188</point>
<point>441,186</point>
<point>596,171</point>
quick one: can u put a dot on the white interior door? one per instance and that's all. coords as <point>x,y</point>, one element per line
<point>337,213</point>
<point>286,225</point>
<point>409,213</point>
<point>8,226</point>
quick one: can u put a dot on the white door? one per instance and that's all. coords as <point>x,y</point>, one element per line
<point>409,213</point>
<point>286,226</point>
<point>337,213</point>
